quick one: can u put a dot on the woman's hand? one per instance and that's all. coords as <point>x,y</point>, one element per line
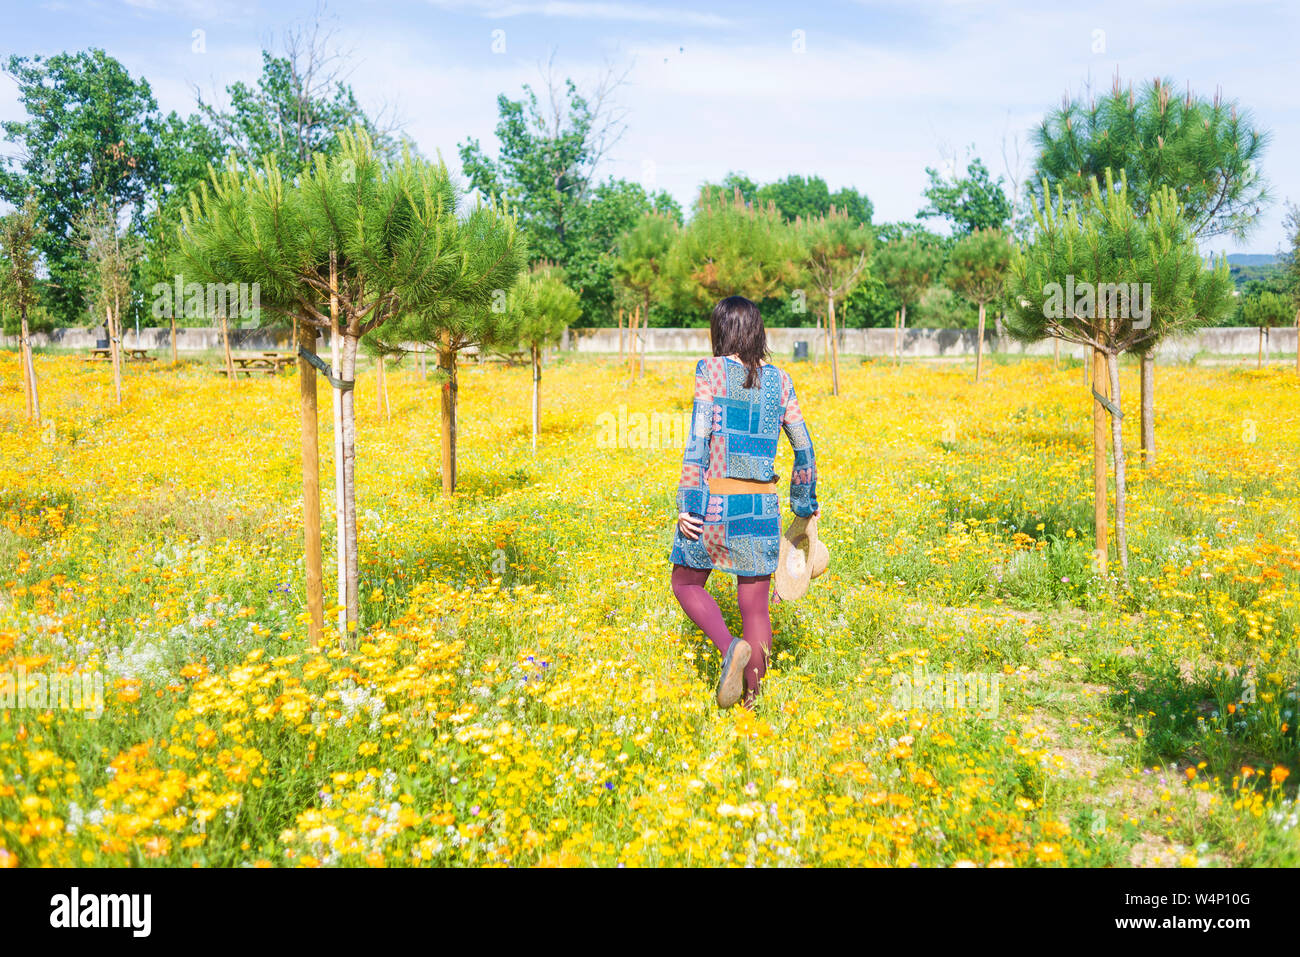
<point>689,525</point>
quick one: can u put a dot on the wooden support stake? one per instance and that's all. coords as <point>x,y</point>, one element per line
<point>306,338</point>
<point>1101,385</point>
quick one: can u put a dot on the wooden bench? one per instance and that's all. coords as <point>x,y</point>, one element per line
<point>129,354</point>
<point>264,363</point>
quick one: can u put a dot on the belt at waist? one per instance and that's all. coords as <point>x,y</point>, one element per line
<point>737,486</point>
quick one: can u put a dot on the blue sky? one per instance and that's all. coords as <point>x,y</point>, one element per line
<point>880,90</point>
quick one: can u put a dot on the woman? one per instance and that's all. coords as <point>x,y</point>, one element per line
<point>729,514</point>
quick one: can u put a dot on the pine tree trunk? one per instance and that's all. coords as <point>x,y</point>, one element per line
<point>620,336</point>
<point>447,365</point>
<point>230,362</point>
<point>834,345</point>
<point>979,344</point>
<point>336,368</point>
<point>423,371</point>
<point>388,409</point>
<point>645,344</point>
<point>647,310</point>
<point>537,388</point>
<point>29,371</point>
<point>631,343</point>
<point>902,328</point>
<point>898,338</point>
<point>349,363</point>
<point>1100,518</point>
<point>1121,486</point>
<point>1148,409</point>
<point>175,356</point>
<point>306,339</point>
<point>1259,359</point>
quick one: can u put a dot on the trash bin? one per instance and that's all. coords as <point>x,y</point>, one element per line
<point>801,351</point>
<point>101,343</point>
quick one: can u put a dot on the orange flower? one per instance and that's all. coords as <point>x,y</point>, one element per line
<point>1279,774</point>
<point>1047,853</point>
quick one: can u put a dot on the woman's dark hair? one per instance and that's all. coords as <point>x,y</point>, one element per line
<point>736,328</point>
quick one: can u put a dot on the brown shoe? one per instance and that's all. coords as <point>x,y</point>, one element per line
<point>731,682</point>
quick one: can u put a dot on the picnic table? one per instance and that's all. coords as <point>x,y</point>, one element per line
<point>267,363</point>
<point>129,354</point>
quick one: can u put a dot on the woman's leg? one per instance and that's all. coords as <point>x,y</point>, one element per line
<point>699,605</point>
<point>751,595</point>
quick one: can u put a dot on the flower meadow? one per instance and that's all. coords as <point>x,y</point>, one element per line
<point>960,689</point>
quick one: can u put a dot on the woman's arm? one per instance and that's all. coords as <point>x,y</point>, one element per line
<point>692,487</point>
<point>803,479</point>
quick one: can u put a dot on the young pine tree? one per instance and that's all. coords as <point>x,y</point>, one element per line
<point>355,242</point>
<point>731,247</point>
<point>1266,310</point>
<point>835,250</point>
<point>541,306</point>
<point>977,269</point>
<point>908,267</point>
<point>1101,275</point>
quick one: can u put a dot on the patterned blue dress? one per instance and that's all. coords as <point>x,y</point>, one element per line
<point>734,434</point>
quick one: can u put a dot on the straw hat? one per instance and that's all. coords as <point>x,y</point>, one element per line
<point>803,557</point>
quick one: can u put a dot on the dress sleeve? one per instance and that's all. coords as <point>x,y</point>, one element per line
<point>692,488</point>
<point>803,478</point>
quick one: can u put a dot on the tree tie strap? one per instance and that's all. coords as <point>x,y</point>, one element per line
<point>343,385</point>
<point>1108,405</point>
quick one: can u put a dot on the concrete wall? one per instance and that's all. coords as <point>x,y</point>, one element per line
<point>938,343</point>
<point>160,338</point>
<point>917,343</point>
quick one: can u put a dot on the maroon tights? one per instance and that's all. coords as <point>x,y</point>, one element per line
<point>751,595</point>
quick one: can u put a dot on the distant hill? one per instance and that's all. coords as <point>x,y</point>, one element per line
<point>1252,259</point>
